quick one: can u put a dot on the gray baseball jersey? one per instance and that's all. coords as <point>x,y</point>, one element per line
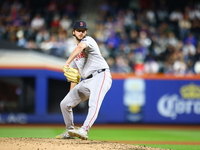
<point>90,59</point>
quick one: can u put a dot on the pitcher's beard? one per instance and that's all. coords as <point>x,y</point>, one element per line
<point>79,39</point>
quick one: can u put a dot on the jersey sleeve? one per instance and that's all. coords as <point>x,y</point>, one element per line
<point>86,40</point>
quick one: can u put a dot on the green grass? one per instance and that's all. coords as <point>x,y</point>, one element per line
<point>28,132</point>
<point>114,135</point>
<point>150,135</point>
<point>146,135</point>
<point>176,147</point>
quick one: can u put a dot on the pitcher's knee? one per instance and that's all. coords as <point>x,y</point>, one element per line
<point>64,105</point>
<point>61,104</point>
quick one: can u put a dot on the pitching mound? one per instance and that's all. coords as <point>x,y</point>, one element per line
<point>57,144</point>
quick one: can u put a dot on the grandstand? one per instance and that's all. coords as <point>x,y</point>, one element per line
<point>134,35</point>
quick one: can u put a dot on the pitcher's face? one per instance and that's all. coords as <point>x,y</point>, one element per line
<point>80,34</point>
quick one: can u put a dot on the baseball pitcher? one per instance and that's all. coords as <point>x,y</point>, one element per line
<point>85,62</point>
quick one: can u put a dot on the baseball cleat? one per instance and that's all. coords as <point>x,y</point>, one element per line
<point>64,135</point>
<point>80,133</point>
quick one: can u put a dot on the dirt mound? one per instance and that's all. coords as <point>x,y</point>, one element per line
<point>59,144</point>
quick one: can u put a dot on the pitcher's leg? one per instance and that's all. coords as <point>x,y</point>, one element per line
<point>73,98</point>
<point>67,113</point>
<point>102,85</point>
<point>93,111</point>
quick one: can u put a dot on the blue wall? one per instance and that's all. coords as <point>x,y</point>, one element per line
<point>128,101</point>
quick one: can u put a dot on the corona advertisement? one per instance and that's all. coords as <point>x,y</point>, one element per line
<point>179,103</point>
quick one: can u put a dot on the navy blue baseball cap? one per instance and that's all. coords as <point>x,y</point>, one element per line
<point>80,25</point>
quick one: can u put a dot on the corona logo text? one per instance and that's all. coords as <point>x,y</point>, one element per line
<point>171,106</point>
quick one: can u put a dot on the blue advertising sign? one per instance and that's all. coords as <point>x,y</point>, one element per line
<point>170,101</point>
<point>131,99</point>
<point>134,99</point>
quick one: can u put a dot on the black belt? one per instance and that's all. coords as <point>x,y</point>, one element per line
<point>99,71</point>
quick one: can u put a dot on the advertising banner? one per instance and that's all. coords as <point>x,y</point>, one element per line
<point>134,99</point>
<point>131,99</point>
<point>172,101</point>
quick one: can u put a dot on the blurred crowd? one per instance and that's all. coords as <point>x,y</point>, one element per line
<point>40,25</point>
<point>140,36</point>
